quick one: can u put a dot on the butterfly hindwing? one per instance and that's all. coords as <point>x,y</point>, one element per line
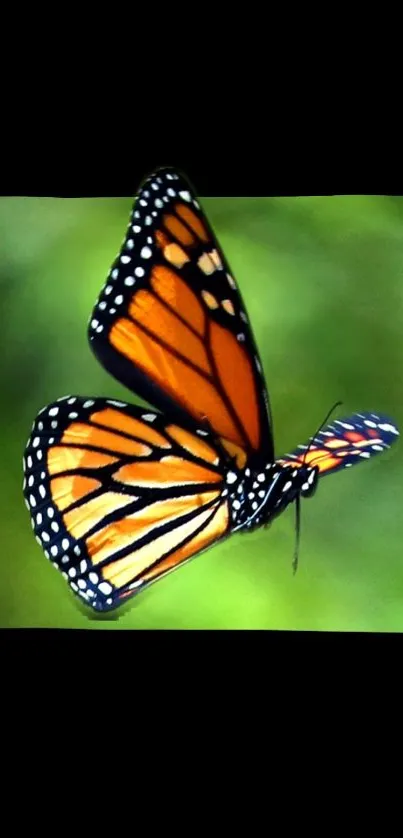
<point>120,495</point>
<point>345,442</point>
<point>170,322</point>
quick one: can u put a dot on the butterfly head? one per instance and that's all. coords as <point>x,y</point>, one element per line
<point>289,484</point>
<point>307,480</point>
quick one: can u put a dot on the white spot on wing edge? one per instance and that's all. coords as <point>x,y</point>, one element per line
<point>387,427</point>
<point>133,585</point>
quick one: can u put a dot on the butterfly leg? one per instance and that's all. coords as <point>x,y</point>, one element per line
<point>297,532</point>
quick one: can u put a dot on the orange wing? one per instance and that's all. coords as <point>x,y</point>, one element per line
<point>171,325</point>
<point>119,496</point>
<point>344,443</point>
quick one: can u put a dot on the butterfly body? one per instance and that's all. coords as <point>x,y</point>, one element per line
<point>257,495</point>
<point>120,495</point>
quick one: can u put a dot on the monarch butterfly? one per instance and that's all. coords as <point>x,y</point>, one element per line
<point>120,495</point>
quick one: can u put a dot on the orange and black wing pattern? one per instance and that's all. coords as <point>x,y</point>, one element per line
<point>344,443</point>
<point>170,323</point>
<point>119,496</point>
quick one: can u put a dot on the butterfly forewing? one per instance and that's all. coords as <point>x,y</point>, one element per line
<point>119,495</point>
<point>345,442</point>
<point>170,322</point>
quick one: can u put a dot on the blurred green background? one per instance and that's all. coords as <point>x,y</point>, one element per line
<point>322,278</point>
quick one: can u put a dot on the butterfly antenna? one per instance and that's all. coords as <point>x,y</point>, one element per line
<point>320,428</point>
